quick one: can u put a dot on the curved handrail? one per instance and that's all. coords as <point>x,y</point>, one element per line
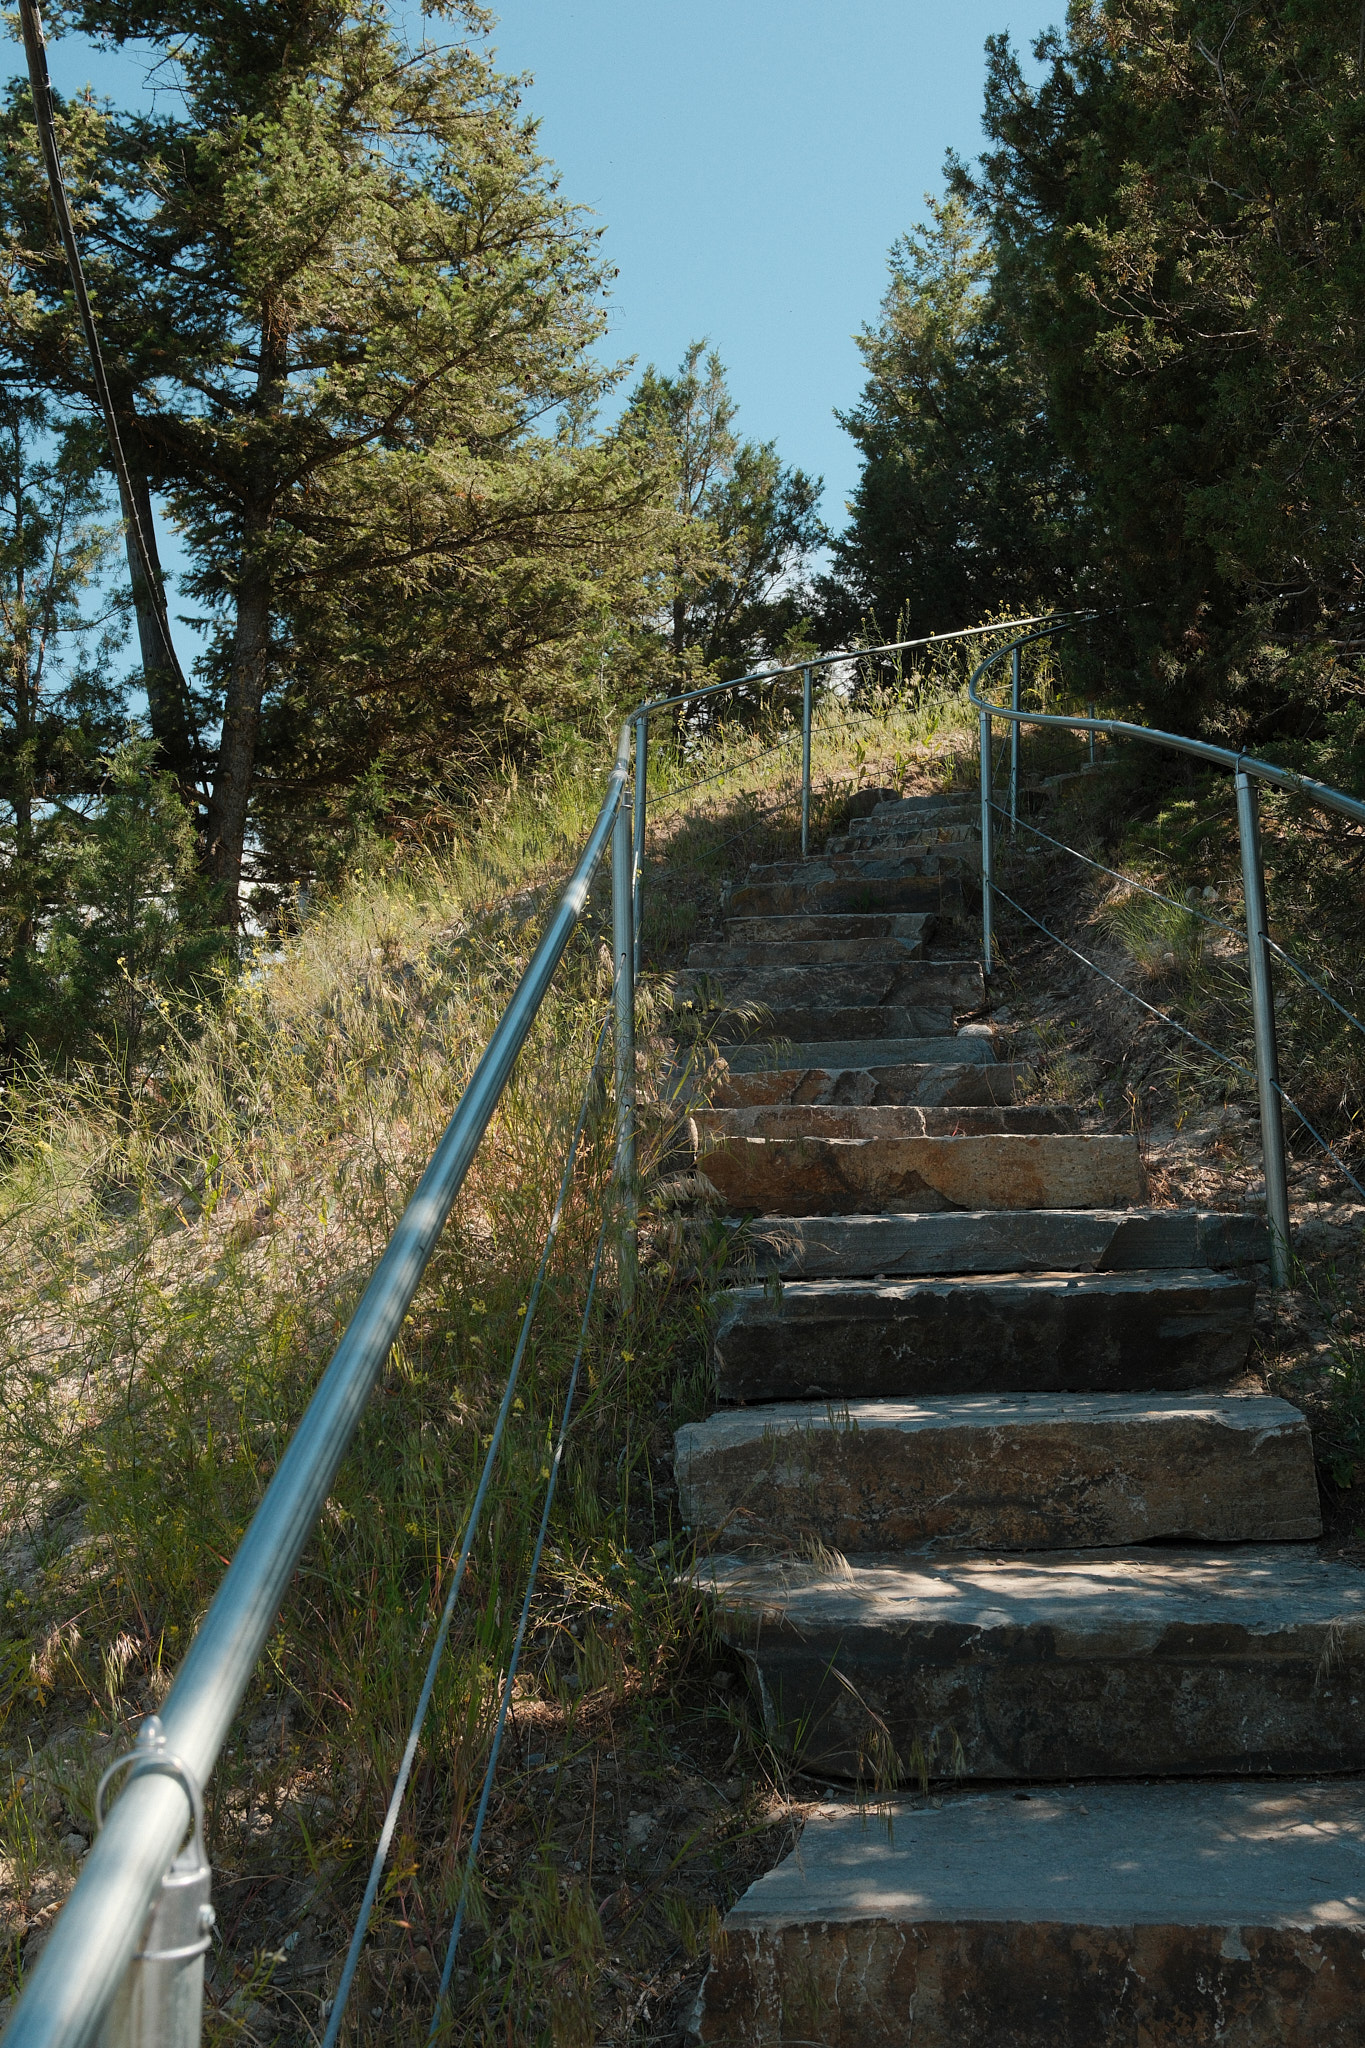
<point>92,1942</point>
<point>1204,750</point>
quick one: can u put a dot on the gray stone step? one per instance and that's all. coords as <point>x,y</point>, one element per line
<point>958,842</point>
<point>945,986</point>
<point>910,927</point>
<point>816,1023</point>
<point>983,1333</point>
<point>859,895</point>
<point>1060,1665</point>
<point>992,1472</point>
<point>985,1241</point>
<point>715,959</point>
<point>875,866</point>
<point>876,1120</point>
<point>1089,1916</point>
<point>855,1053</point>
<point>858,1176</point>
<point>914,1081</point>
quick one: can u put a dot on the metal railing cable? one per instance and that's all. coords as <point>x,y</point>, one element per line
<point>88,1953</point>
<point>485,1793</point>
<point>1247,771</point>
<point>1130,881</point>
<point>409,1757</point>
<point>1297,967</point>
<point>1227,1058</point>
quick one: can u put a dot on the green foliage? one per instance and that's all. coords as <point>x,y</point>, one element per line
<point>349,321</point>
<point>136,942</point>
<point>959,507</point>
<point>744,525</point>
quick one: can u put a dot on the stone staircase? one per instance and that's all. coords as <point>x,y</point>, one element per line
<point>981,1509</point>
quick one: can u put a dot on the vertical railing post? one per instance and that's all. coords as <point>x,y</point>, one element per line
<point>623,959</point>
<point>1090,713</point>
<point>1014,741</point>
<point>805,763</point>
<point>641,776</point>
<point>1263,1030</point>
<point>987,861</point>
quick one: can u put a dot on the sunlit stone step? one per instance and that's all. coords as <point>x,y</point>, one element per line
<point>1003,1241</point>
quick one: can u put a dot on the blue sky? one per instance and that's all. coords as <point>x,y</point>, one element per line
<point>751,162</point>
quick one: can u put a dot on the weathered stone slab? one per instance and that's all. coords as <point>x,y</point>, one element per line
<point>1090,1916</point>
<point>956,1050</point>
<point>849,866</point>
<point>986,1241</point>
<point>983,1333</point>
<point>716,959</point>
<point>909,926</point>
<point>857,1176</point>
<point>992,1472</point>
<point>884,1120</point>
<point>838,1022</point>
<point>1059,1665</point>
<point>858,895</point>
<point>963,1083</point>
<point>948,984</point>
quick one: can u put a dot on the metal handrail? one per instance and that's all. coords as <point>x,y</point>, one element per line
<point>95,1935</point>
<point>1246,770</point>
<point>87,1956</point>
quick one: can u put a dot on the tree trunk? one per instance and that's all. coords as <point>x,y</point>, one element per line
<point>237,748</point>
<point>168,709</point>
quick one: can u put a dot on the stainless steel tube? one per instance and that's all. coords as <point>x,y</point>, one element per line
<point>805,764</point>
<point>66,1997</point>
<point>623,962</point>
<point>1015,682</point>
<point>1090,713</point>
<point>987,856</point>
<point>1263,1028</point>
<point>641,782</point>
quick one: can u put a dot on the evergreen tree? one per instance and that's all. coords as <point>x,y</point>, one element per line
<point>745,524</point>
<point>959,507</point>
<point>349,320</point>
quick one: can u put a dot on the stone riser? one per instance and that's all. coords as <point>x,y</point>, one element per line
<point>716,959</point>
<point>982,1241</point>
<point>867,984</point>
<point>946,1050</point>
<point>911,928</point>
<point>857,1176</point>
<point>973,1086</point>
<point>1057,1667</point>
<point>944,897</point>
<point>1049,1473</point>
<point>886,1120</point>
<point>1027,1334</point>
<point>1222,1916</point>
<point>811,1026</point>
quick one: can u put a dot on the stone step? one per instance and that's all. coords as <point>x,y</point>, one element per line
<point>857,1176</point>
<point>992,1472</point>
<point>853,866</point>
<point>1002,1241</point>
<point>942,804</point>
<point>1133,1916</point>
<point>718,959</point>
<point>959,842</point>
<point>912,1082</point>
<point>1059,1665</point>
<point>876,1120</point>
<point>824,893</point>
<point>959,1049</point>
<point>811,1024</point>
<point>1013,1333</point>
<point>910,927</point>
<point>948,986</point>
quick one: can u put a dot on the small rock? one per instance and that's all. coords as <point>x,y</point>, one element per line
<point>639,1828</point>
<point>75,1845</point>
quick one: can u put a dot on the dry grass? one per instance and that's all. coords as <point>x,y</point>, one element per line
<point>177,1273</point>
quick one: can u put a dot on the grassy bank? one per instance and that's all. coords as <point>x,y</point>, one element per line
<point>178,1270</point>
